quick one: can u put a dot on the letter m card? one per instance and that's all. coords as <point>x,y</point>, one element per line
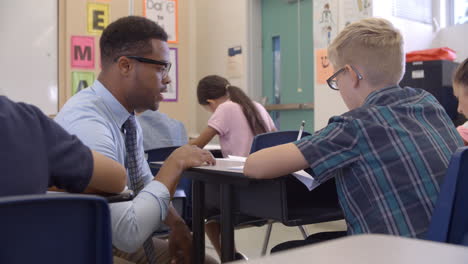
<point>82,52</point>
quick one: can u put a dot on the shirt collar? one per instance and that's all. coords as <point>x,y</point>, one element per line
<point>118,111</point>
<point>376,96</point>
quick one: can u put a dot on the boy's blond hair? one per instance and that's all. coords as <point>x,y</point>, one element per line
<point>460,78</point>
<point>375,45</point>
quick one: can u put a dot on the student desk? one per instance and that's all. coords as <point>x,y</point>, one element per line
<point>268,199</point>
<point>371,249</point>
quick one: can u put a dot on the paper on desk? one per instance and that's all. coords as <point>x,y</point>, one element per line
<point>306,179</point>
<point>301,175</point>
<point>239,168</point>
<point>237,158</point>
<point>233,158</point>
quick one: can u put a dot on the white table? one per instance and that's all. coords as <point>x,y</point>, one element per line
<point>372,249</point>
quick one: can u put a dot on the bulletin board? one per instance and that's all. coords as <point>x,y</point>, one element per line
<point>82,23</point>
<point>80,27</point>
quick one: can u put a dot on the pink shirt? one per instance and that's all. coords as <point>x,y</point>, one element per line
<point>235,136</point>
<point>463,130</point>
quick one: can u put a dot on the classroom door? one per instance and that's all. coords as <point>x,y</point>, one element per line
<point>288,62</point>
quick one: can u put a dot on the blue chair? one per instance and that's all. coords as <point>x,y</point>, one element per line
<point>159,154</point>
<point>182,200</point>
<point>449,221</point>
<point>55,228</point>
<point>302,207</point>
<point>271,139</point>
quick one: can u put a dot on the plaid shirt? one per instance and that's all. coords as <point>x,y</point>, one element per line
<point>389,158</point>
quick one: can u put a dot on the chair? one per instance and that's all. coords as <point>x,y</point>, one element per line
<point>159,154</point>
<point>297,200</point>
<point>271,139</point>
<point>55,228</point>
<point>449,221</point>
<point>182,198</point>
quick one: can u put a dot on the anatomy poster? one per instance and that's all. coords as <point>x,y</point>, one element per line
<point>353,10</point>
<point>325,22</point>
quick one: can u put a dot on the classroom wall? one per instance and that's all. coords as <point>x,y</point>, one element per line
<point>207,28</point>
<point>234,22</point>
<point>72,17</point>
<point>454,37</point>
<point>183,109</point>
<point>416,36</point>
<point>220,24</point>
<point>73,22</point>
<point>204,39</point>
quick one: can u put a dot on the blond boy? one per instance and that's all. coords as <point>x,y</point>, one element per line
<point>389,153</point>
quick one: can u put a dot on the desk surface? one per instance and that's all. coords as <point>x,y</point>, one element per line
<point>219,173</point>
<point>222,165</point>
<point>370,249</point>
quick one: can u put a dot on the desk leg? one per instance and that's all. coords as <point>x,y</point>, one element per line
<point>198,223</point>
<point>227,225</point>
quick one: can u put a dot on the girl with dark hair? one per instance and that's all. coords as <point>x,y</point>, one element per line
<point>236,118</point>
<point>460,89</point>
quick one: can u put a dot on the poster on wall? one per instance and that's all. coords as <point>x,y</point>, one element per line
<point>354,10</point>
<point>323,67</point>
<point>163,12</point>
<point>81,80</point>
<point>235,63</point>
<point>173,88</point>
<point>82,52</point>
<point>325,22</point>
<point>98,17</point>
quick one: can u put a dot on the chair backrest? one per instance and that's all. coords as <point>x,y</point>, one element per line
<point>271,139</point>
<point>160,154</point>
<point>55,228</point>
<point>449,221</point>
<point>183,194</point>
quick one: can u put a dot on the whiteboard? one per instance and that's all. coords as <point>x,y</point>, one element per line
<point>28,52</point>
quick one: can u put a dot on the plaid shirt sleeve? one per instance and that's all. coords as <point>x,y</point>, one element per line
<point>330,148</point>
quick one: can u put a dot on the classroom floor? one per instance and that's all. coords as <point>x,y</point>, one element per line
<point>249,241</point>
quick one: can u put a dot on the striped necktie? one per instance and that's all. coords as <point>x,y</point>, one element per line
<point>134,167</point>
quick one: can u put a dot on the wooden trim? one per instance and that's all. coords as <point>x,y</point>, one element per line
<point>62,58</point>
<point>279,107</point>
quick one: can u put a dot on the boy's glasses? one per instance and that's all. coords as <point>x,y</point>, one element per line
<point>165,70</point>
<point>332,82</point>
